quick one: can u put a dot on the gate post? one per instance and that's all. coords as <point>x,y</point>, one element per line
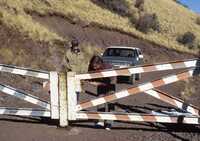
<point>71,95</point>
<point>63,101</point>
<point>54,95</point>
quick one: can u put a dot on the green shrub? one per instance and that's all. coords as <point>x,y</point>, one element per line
<point>148,22</point>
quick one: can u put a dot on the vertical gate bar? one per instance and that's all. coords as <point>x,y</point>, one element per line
<point>63,100</point>
<point>72,97</point>
<point>78,87</point>
<point>54,95</point>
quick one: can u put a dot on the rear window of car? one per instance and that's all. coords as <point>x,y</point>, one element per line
<point>120,52</point>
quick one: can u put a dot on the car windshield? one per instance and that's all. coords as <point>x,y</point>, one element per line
<point>120,52</point>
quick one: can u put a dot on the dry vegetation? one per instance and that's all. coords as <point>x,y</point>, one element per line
<point>12,16</point>
<point>174,19</point>
<point>190,90</point>
<point>198,20</point>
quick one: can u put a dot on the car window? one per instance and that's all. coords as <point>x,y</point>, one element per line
<point>136,52</point>
<point>120,52</point>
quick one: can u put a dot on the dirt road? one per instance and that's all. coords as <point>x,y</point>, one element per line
<point>23,129</point>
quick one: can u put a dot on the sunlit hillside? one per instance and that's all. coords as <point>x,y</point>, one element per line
<point>173,18</point>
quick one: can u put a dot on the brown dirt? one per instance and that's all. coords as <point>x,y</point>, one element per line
<point>40,55</point>
<point>105,38</point>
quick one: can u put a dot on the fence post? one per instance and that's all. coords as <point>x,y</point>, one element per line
<point>78,88</point>
<point>54,95</point>
<point>71,94</point>
<point>63,100</point>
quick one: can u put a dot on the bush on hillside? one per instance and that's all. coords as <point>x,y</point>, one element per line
<point>139,4</point>
<point>133,17</point>
<point>118,6</point>
<point>188,39</point>
<point>148,22</point>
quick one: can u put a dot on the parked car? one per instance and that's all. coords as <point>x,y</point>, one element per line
<point>122,57</point>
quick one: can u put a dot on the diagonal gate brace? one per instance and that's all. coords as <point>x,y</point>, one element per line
<point>190,63</point>
<point>24,96</point>
<point>24,112</point>
<point>173,101</point>
<point>134,90</point>
<point>24,71</point>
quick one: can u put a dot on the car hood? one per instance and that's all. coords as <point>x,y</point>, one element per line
<point>117,62</point>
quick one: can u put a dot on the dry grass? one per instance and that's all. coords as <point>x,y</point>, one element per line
<point>174,19</point>
<point>7,55</point>
<point>12,15</point>
<point>12,56</point>
<point>25,25</point>
<point>89,51</point>
<point>190,88</point>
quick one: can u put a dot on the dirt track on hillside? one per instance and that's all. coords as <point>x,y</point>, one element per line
<point>17,129</point>
<point>105,38</point>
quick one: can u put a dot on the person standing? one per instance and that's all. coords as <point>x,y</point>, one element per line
<point>96,65</point>
<point>74,57</point>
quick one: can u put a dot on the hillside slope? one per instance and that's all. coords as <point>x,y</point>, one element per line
<point>37,33</point>
<point>174,19</point>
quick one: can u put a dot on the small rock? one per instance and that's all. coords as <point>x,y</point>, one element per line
<point>74,131</point>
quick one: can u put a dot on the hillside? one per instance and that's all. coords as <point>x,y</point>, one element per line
<point>174,19</point>
<point>37,34</point>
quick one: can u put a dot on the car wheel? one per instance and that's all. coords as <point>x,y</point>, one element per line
<point>132,79</point>
<point>137,76</point>
<point>113,80</point>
